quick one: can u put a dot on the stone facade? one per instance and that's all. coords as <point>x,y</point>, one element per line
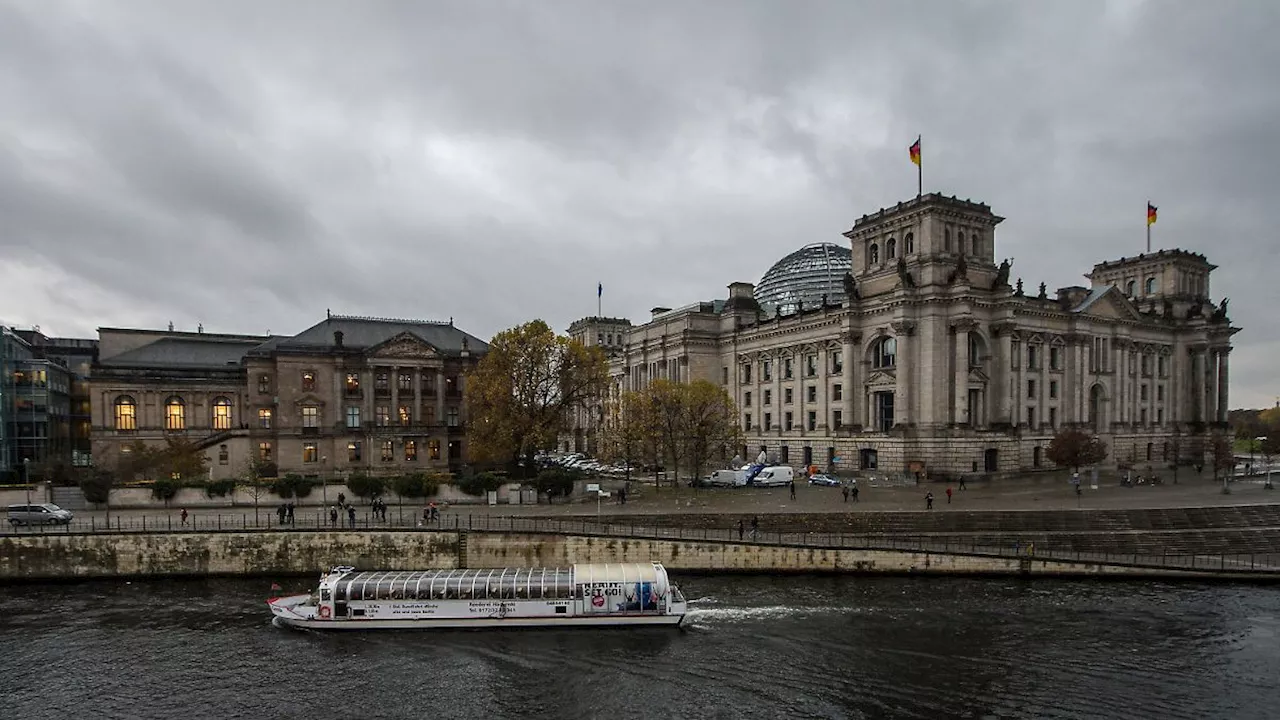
<point>936,362</point>
<point>350,393</point>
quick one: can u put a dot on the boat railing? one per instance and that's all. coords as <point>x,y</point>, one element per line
<point>1031,546</point>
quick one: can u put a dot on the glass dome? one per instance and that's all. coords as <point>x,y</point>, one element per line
<point>805,276</point>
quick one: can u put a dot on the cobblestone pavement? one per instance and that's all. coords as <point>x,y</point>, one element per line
<point>1039,493</point>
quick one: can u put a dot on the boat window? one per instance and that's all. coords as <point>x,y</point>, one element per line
<point>324,594</point>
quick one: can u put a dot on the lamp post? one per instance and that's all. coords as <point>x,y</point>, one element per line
<point>324,483</point>
<point>1266,457</point>
<point>26,477</point>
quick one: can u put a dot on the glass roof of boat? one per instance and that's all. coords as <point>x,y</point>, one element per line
<point>472,584</point>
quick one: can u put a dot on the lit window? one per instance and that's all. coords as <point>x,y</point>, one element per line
<point>353,451</point>
<point>175,414</point>
<point>388,451</point>
<point>405,415</point>
<point>264,418</point>
<point>353,383</point>
<point>126,413</point>
<point>264,451</point>
<point>310,416</point>
<point>433,449</point>
<point>221,414</point>
<point>309,452</point>
<point>410,451</point>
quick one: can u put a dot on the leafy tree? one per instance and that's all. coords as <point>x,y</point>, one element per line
<point>1222,455</point>
<point>481,483</point>
<point>291,485</point>
<point>522,393</point>
<point>409,485</point>
<point>136,461</point>
<point>1072,448</point>
<point>556,482</point>
<point>255,484</point>
<point>181,459</point>
<point>165,488</point>
<point>96,485</point>
<point>220,488</point>
<point>365,486</point>
<point>679,424</point>
<point>710,421</point>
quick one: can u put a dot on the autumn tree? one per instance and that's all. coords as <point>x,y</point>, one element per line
<point>1222,455</point>
<point>680,425</point>
<point>181,459</point>
<point>710,423</point>
<point>523,392</point>
<point>1073,448</point>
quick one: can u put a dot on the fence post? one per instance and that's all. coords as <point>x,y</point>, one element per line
<point>144,523</point>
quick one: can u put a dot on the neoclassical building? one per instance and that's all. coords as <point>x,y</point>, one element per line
<point>347,394</point>
<point>919,350</point>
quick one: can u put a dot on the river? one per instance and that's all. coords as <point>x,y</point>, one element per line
<point>755,647</point>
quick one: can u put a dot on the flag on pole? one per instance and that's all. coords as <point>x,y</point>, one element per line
<point>600,290</point>
<point>915,151</point>
<point>1151,214</point>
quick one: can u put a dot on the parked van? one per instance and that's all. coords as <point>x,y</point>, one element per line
<point>774,476</point>
<point>727,478</point>
<point>42,514</point>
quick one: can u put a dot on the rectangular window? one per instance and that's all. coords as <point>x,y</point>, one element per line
<point>1031,388</point>
<point>811,394</point>
<point>746,422</point>
<point>1031,357</point>
<point>746,373</point>
<point>310,453</point>
<point>1031,415</point>
<point>451,386</point>
<point>810,365</point>
<point>310,416</point>
<point>353,384</point>
<point>1162,365</point>
<point>405,383</point>
<point>786,396</point>
<point>837,419</point>
<point>452,418</point>
<point>1055,358</point>
<point>1160,416</point>
<point>811,422</point>
<point>410,450</point>
<point>382,414</point>
<point>264,418</point>
<point>1142,392</point>
<point>768,421</point>
<point>405,415</point>
<point>768,397</point>
<point>746,398</point>
<point>309,381</point>
<point>1144,416</point>
<point>787,370</point>
<point>837,362</point>
<point>433,449</point>
<point>264,451</point>
<point>884,410</point>
<point>1159,393</point>
<point>354,451</point>
<point>428,384</point>
<point>264,384</point>
<point>837,392</point>
<point>1053,418</point>
<point>222,414</point>
<point>382,382</point>
<point>388,451</point>
<point>786,421</point>
<point>784,455</point>
<point>766,370</point>
<point>724,375</point>
<point>353,416</point>
<point>1053,389</point>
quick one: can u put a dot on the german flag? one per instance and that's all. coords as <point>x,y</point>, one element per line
<point>1151,214</point>
<point>915,151</point>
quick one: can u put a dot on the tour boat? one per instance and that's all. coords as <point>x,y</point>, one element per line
<point>579,595</point>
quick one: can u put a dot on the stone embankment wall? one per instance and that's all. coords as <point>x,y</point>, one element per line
<point>303,552</point>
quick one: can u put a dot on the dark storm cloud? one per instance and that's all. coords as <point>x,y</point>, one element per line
<point>250,164</point>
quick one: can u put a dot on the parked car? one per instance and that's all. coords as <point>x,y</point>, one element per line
<point>824,480</point>
<point>42,514</point>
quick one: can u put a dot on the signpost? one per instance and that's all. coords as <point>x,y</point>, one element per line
<point>595,488</point>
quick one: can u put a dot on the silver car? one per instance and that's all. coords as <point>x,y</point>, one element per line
<point>42,514</point>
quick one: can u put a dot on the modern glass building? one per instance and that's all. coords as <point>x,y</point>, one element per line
<point>805,276</point>
<point>35,405</point>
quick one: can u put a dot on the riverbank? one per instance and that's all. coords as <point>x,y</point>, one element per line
<point>300,552</point>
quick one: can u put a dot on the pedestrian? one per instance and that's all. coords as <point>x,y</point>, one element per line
<point>740,529</point>
<point>289,512</point>
<point>845,490</point>
<point>961,482</point>
<point>351,514</point>
<point>342,499</point>
<point>793,488</point>
<point>184,516</point>
<point>948,494</point>
<point>928,501</point>
<point>855,492</point>
<point>281,512</point>
<point>333,515</point>
<point>755,526</point>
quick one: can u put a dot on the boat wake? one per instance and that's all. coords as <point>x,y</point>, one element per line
<point>707,617</point>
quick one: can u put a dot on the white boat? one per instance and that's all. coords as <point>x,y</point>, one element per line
<point>579,595</point>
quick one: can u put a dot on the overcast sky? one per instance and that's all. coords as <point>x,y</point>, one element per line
<point>249,164</point>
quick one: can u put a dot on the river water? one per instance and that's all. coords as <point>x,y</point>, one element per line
<point>756,647</point>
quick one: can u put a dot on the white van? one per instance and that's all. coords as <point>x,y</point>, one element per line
<point>727,478</point>
<point>774,476</point>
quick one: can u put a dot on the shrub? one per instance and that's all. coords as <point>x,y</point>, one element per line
<point>220,488</point>
<point>96,485</point>
<point>165,488</point>
<point>409,486</point>
<point>366,486</point>
<point>291,485</point>
<point>266,469</point>
<point>556,481</point>
<point>480,483</point>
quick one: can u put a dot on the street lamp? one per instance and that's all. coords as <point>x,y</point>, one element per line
<point>1266,457</point>
<point>324,485</point>
<point>26,477</point>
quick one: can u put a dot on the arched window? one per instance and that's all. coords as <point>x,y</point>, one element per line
<point>175,414</point>
<point>884,354</point>
<point>126,413</point>
<point>975,244</point>
<point>960,243</point>
<point>909,244</point>
<point>1150,287</point>
<point>891,249</point>
<point>873,254</point>
<point>221,414</point>
<point>1130,288</point>
<point>946,239</point>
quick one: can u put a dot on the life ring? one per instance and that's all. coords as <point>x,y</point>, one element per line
<point>324,612</point>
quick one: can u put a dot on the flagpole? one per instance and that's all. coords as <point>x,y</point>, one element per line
<point>1148,227</point>
<point>920,171</point>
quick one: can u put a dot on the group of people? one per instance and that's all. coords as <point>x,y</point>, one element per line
<point>285,513</point>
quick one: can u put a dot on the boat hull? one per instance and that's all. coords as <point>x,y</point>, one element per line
<point>484,623</point>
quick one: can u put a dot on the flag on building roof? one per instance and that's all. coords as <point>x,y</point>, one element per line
<point>599,289</point>
<point>1151,214</point>
<point>915,151</point>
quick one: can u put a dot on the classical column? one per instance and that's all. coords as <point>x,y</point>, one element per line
<point>960,393</point>
<point>902,396</point>
<point>1016,363</point>
<point>417,396</point>
<point>394,379</point>
<point>1002,372</point>
<point>824,389</point>
<point>1204,384</point>
<point>440,418</point>
<point>1224,355</point>
<point>849,405</point>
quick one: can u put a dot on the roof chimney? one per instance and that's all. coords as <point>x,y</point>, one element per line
<point>337,338</point>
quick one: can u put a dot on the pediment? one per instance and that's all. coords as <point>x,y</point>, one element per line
<point>977,375</point>
<point>405,345</point>
<point>308,398</point>
<point>882,377</point>
<point>1112,306</point>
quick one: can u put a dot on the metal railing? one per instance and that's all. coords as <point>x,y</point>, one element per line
<point>1219,563</point>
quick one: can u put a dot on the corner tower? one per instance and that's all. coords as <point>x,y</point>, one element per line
<point>933,238</point>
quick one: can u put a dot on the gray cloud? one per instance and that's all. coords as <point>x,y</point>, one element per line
<point>248,165</point>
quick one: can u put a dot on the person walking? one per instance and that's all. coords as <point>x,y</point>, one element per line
<point>948,494</point>
<point>928,501</point>
<point>845,491</point>
<point>289,510</point>
<point>961,482</point>
<point>855,492</point>
<point>740,529</point>
<point>351,514</point>
<point>755,526</point>
<point>183,515</point>
<point>333,515</point>
<point>793,488</point>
